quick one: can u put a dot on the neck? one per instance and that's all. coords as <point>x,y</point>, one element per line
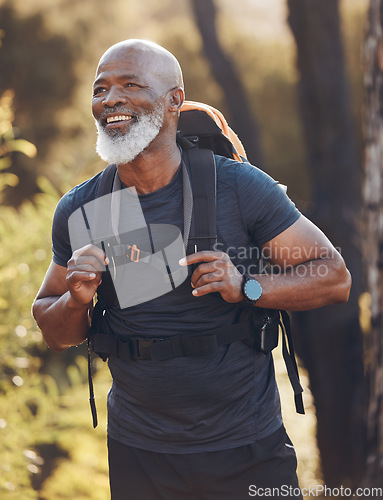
<point>152,169</point>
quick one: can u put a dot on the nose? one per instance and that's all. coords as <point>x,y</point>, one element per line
<point>114,96</point>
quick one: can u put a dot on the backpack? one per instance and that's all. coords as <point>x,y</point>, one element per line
<point>202,132</point>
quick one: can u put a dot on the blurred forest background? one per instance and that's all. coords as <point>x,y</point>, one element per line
<point>297,80</point>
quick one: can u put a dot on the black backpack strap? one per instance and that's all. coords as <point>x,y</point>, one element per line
<point>161,349</point>
<point>290,362</point>
<point>127,347</point>
<point>92,400</point>
<point>106,289</point>
<point>105,183</point>
<point>200,164</point>
<point>97,324</point>
<point>104,187</point>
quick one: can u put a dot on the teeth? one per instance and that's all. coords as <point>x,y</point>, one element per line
<point>119,118</point>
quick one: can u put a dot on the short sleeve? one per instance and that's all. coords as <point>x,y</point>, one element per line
<point>266,209</point>
<point>61,247</point>
<point>72,200</point>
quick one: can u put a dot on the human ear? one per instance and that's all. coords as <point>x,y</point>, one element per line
<point>177,97</point>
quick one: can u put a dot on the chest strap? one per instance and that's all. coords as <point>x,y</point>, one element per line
<point>253,331</point>
<point>162,349</point>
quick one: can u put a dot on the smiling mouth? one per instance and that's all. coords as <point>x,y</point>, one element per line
<point>118,118</point>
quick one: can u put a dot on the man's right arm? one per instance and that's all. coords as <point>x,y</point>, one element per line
<point>65,300</point>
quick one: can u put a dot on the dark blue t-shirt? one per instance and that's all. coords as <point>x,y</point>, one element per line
<point>206,403</point>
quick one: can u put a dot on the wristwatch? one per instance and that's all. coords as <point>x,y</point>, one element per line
<point>251,289</point>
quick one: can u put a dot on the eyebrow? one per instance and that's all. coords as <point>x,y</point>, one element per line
<point>121,77</point>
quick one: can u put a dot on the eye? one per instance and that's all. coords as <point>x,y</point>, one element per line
<point>98,90</point>
<point>131,85</point>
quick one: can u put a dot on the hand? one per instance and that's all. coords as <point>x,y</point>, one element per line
<point>84,273</point>
<point>216,274</point>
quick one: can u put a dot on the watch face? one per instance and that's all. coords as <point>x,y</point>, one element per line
<point>252,289</point>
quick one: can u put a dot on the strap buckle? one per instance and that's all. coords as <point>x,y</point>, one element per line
<point>140,348</point>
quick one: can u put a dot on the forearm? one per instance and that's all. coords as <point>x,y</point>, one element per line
<point>294,283</point>
<point>308,285</point>
<point>63,321</point>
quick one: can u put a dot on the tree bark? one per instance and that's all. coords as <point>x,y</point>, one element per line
<point>240,117</point>
<point>330,339</point>
<point>373,237</point>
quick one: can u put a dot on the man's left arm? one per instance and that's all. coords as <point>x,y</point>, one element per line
<point>306,271</point>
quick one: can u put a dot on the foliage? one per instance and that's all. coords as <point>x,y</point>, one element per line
<point>39,419</point>
<point>263,55</point>
<point>8,143</point>
<point>32,60</point>
<point>22,402</point>
<point>49,53</point>
<point>31,393</point>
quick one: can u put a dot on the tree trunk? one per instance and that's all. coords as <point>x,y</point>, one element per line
<point>330,340</point>
<point>240,117</point>
<point>373,238</point>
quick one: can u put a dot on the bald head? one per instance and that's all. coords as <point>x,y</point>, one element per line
<point>137,96</point>
<point>160,62</point>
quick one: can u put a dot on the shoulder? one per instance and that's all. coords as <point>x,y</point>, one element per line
<point>265,208</point>
<point>78,195</point>
<point>68,204</point>
<point>244,177</point>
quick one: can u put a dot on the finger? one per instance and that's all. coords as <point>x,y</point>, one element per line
<point>222,267</point>
<point>208,278</point>
<point>86,262</point>
<point>215,286</point>
<point>98,253</point>
<point>218,271</point>
<point>91,250</point>
<point>209,267</point>
<point>80,276</point>
<point>204,256</point>
<point>87,268</point>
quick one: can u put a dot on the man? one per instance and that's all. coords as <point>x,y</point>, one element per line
<point>203,427</point>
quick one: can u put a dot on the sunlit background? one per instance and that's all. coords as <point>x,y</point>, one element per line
<point>48,55</point>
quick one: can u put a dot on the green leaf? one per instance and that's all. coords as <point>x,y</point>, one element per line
<point>19,145</point>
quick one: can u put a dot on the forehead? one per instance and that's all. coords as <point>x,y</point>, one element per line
<point>121,62</point>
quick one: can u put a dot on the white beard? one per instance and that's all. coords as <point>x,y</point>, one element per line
<point>121,149</point>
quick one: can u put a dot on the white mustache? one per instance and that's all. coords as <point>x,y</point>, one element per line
<point>121,149</point>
